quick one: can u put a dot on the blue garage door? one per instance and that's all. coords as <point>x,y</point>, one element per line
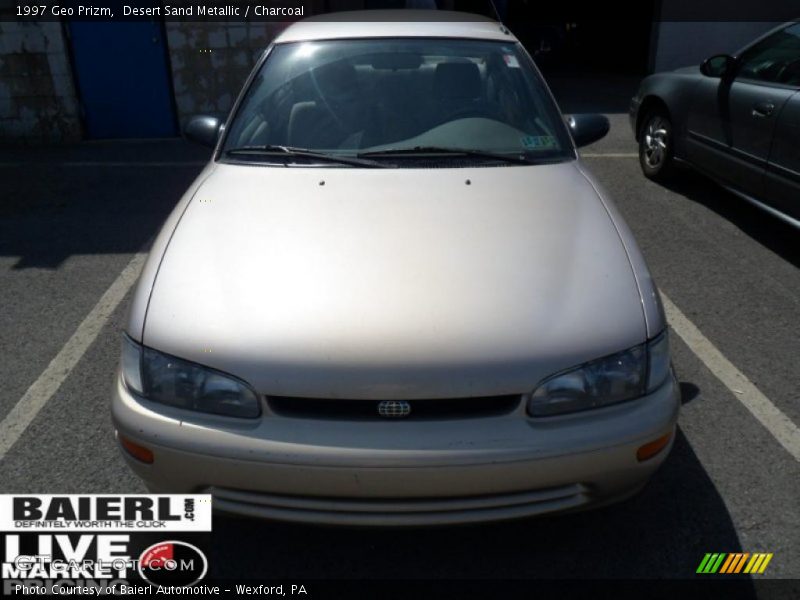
<point>123,79</point>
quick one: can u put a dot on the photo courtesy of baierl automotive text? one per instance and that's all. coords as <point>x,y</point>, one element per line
<point>400,299</point>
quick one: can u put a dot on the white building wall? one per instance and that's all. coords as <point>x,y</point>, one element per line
<point>37,95</point>
<point>210,62</point>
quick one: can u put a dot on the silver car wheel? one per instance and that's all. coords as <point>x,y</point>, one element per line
<point>656,138</point>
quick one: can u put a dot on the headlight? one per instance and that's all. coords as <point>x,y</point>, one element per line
<point>131,365</point>
<point>658,361</point>
<point>176,382</point>
<point>609,380</point>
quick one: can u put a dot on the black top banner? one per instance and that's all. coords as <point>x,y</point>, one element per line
<point>167,10</point>
<point>244,11</point>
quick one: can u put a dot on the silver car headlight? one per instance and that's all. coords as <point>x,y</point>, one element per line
<point>183,384</point>
<point>609,380</point>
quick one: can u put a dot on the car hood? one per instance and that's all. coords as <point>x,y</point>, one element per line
<point>386,283</point>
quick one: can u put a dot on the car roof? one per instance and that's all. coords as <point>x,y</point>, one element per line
<point>395,23</point>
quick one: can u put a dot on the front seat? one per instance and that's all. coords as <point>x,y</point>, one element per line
<point>457,89</point>
<point>334,118</point>
<point>310,126</point>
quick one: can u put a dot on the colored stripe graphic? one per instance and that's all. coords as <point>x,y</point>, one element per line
<point>741,562</point>
<point>764,564</point>
<point>755,564</point>
<point>737,558</point>
<point>717,563</point>
<point>736,562</point>
<point>711,563</point>
<point>728,561</point>
<point>701,568</point>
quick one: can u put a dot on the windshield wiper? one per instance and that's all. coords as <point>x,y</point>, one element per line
<point>445,151</point>
<point>276,149</point>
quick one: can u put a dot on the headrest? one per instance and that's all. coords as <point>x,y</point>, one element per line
<point>337,79</point>
<point>457,80</point>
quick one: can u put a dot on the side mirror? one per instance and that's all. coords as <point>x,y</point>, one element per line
<point>718,65</point>
<point>203,130</point>
<point>587,128</point>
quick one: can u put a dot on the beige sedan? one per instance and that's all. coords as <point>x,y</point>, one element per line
<point>395,296</point>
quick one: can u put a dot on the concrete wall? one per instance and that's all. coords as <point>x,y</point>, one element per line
<point>680,44</point>
<point>38,100</point>
<point>210,62</point>
<point>37,96</point>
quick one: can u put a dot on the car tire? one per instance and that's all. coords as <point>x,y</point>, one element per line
<point>656,147</point>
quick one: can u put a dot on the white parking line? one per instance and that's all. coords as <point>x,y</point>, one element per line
<point>23,413</point>
<point>770,416</point>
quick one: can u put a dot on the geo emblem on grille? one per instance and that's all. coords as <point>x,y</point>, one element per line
<point>394,409</point>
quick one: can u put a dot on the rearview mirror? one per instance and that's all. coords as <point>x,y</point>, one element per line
<point>203,130</point>
<point>718,65</point>
<point>587,128</point>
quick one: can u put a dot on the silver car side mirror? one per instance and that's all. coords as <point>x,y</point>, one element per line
<point>587,128</point>
<point>718,65</point>
<point>203,130</point>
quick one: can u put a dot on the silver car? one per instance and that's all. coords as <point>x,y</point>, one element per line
<point>733,118</point>
<point>395,295</point>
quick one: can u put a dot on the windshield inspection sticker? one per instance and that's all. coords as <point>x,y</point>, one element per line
<point>538,141</point>
<point>511,61</point>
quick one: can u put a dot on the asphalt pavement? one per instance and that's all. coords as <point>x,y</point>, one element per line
<point>72,218</point>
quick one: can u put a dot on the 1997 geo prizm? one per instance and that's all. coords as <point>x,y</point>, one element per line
<point>395,296</point>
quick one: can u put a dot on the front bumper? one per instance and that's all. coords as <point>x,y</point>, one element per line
<point>395,472</point>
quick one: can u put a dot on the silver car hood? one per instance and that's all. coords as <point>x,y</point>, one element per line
<point>394,283</point>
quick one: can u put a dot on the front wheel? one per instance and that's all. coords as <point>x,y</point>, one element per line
<point>656,147</point>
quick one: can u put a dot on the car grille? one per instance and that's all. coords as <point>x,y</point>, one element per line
<point>447,408</point>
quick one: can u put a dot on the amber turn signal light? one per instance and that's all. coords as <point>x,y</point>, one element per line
<point>136,451</point>
<point>650,449</point>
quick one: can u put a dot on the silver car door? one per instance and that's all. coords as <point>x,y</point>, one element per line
<point>732,119</point>
<point>783,169</point>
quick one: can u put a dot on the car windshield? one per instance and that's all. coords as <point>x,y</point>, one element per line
<point>446,98</point>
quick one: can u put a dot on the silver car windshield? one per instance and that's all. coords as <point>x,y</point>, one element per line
<point>418,96</point>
